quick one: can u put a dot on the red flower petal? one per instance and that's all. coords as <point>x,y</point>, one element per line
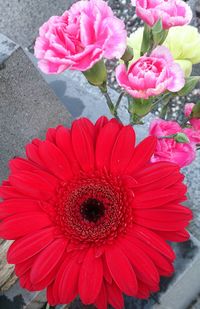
<point>158,259</point>
<point>47,260</point>
<point>20,164</point>
<point>105,142</point>
<point>168,213</point>
<point>142,154</point>
<point>122,150</point>
<point>163,178</point>
<point>55,160</point>
<point>115,297</point>
<point>34,185</point>
<point>64,143</point>
<point>51,134</point>
<point>143,290</point>
<point>90,278</point>
<point>157,198</point>
<point>121,270</point>
<point>100,123</point>
<point>176,236</point>
<point>101,301</point>
<point>50,295</point>
<point>154,241</point>
<point>28,246</point>
<point>21,224</point>
<point>14,206</point>
<point>9,192</point>
<point>22,268</point>
<point>142,264</point>
<point>83,144</point>
<point>68,281</point>
<point>32,153</point>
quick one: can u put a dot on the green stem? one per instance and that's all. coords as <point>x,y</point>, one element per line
<point>118,102</point>
<point>164,109</point>
<point>162,98</point>
<point>109,102</point>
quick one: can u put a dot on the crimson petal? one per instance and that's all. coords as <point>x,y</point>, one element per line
<point>121,270</point>
<point>90,279</point>
<point>28,246</point>
<point>55,161</point>
<point>47,260</point>
<point>83,144</point>
<point>122,150</point>
<point>142,154</point>
<point>19,225</point>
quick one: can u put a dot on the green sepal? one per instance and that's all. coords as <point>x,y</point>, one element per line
<point>159,34</point>
<point>128,55</point>
<point>147,41</point>
<point>97,75</point>
<point>141,107</point>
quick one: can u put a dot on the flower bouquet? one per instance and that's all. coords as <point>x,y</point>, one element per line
<point>91,213</point>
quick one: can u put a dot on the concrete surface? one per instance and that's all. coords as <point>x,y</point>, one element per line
<point>27,105</point>
<point>21,19</point>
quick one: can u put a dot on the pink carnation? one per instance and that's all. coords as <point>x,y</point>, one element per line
<point>171,12</point>
<point>80,37</point>
<point>195,122</point>
<point>151,76</point>
<point>167,148</point>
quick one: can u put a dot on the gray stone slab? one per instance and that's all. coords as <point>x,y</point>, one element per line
<point>7,48</point>
<point>20,20</point>
<point>27,106</point>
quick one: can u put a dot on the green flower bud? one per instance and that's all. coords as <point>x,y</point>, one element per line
<point>181,138</point>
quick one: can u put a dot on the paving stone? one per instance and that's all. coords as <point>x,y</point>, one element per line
<point>27,106</point>
<point>20,20</point>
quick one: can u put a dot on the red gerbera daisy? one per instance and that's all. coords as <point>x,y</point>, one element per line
<point>90,215</point>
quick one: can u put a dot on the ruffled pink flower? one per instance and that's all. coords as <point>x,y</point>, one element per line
<point>167,148</point>
<point>79,38</point>
<point>151,76</point>
<point>195,122</point>
<point>171,12</point>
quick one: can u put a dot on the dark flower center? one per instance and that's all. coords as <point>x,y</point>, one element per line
<point>92,209</point>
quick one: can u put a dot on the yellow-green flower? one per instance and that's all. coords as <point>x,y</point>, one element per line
<point>182,41</point>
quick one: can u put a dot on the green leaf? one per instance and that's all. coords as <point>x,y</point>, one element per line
<point>190,84</point>
<point>196,111</point>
